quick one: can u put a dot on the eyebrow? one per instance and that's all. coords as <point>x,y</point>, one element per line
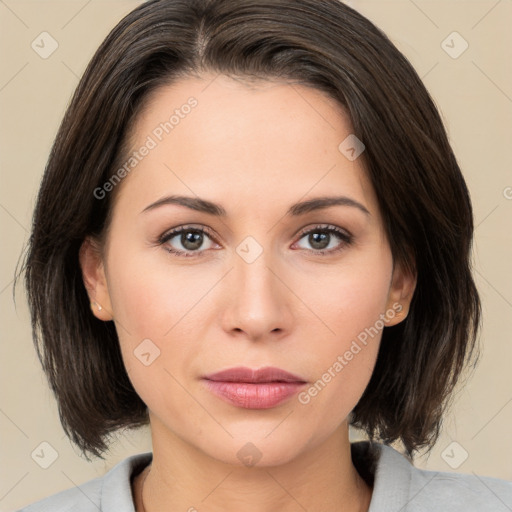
<point>204,206</point>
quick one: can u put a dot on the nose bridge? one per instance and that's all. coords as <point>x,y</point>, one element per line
<point>258,299</point>
<point>254,274</point>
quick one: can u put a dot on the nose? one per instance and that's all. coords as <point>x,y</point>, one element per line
<point>258,302</point>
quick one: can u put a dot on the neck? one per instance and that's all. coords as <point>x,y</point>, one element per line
<point>181,477</point>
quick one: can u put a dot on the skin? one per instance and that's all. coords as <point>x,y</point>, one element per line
<point>254,149</point>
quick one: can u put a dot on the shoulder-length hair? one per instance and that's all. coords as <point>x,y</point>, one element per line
<point>422,196</point>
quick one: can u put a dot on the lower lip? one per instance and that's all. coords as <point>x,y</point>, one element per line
<point>254,396</point>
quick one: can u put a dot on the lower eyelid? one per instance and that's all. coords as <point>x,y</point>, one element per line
<point>165,239</point>
<point>345,238</point>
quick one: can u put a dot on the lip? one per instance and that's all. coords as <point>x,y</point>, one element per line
<point>244,374</point>
<point>254,389</point>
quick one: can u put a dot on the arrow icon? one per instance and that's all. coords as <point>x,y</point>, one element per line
<point>351,147</point>
<point>44,45</point>
<point>146,352</point>
<point>454,455</point>
<point>249,249</point>
<point>454,45</point>
<point>44,455</point>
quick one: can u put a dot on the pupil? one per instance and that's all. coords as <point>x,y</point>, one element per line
<point>188,238</point>
<point>319,238</point>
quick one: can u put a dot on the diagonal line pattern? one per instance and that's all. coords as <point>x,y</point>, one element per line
<point>490,490</point>
<point>286,490</point>
<point>198,301</point>
<point>13,77</point>
<point>75,15</point>
<point>10,490</point>
<point>485,15</point>
<point>301,300</point>
<point>177,177</point>
<point>494,288</point>
<point>13,218</point>
<point>70,70</point>
<point>286,417</point>
<point>311,106</point>
<point>196,400</point>
<point>81,490</point>
<point>7,286</point>
<point>424,13</point>
<point>217,486</point>
<point>404,507</point>
<point>210,82</point>
<point>14,423</point>
<point>111,313</point>
<point>503,407</point>
<point>492,81</point>
<point>304,195</point>
<point>14,14</point>
<point>488,215</point>
<point>425,75</point>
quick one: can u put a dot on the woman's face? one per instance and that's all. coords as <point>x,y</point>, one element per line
<point>264,285</point>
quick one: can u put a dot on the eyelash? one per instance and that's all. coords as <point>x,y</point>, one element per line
<point>345,237</point>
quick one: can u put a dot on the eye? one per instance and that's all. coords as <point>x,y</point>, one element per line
<point>191,240</point>
<point>323,239</point>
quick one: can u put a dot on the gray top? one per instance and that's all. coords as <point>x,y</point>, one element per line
<point>398,486</point>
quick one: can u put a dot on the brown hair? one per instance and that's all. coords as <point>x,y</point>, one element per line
<point>422,195</point>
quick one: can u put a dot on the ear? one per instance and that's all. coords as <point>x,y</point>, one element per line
<point>401,291</point>
<point>93,274</point>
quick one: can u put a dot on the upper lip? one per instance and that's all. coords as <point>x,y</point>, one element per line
<point>244,374</point>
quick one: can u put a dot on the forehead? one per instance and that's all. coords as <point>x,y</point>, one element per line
<point>215,136</point>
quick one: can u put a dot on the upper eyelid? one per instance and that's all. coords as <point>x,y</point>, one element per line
<point>326,227</point>
<point>171,233</point>
<point>208,231</point>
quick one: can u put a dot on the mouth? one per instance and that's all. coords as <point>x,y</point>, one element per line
<point>262,375</point>
<point>254,389</point>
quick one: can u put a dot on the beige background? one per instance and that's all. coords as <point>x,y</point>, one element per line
<point>474,94</point>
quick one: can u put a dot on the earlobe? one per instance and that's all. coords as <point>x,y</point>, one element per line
<point>95,282</point>
<point>401,291</point>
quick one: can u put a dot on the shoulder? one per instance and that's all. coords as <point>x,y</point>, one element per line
<point>111,492</point>
<point>82,498</point>
<point>400,486</point>
<point>460,492</point>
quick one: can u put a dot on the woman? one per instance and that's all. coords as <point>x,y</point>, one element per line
<point>252,232</point>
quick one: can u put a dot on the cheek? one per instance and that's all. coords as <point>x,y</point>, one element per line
<point>350,297</point>
<point>159,308</point>
<point>350,304</point>
<point>150,296</point>
<point>337,308</point>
